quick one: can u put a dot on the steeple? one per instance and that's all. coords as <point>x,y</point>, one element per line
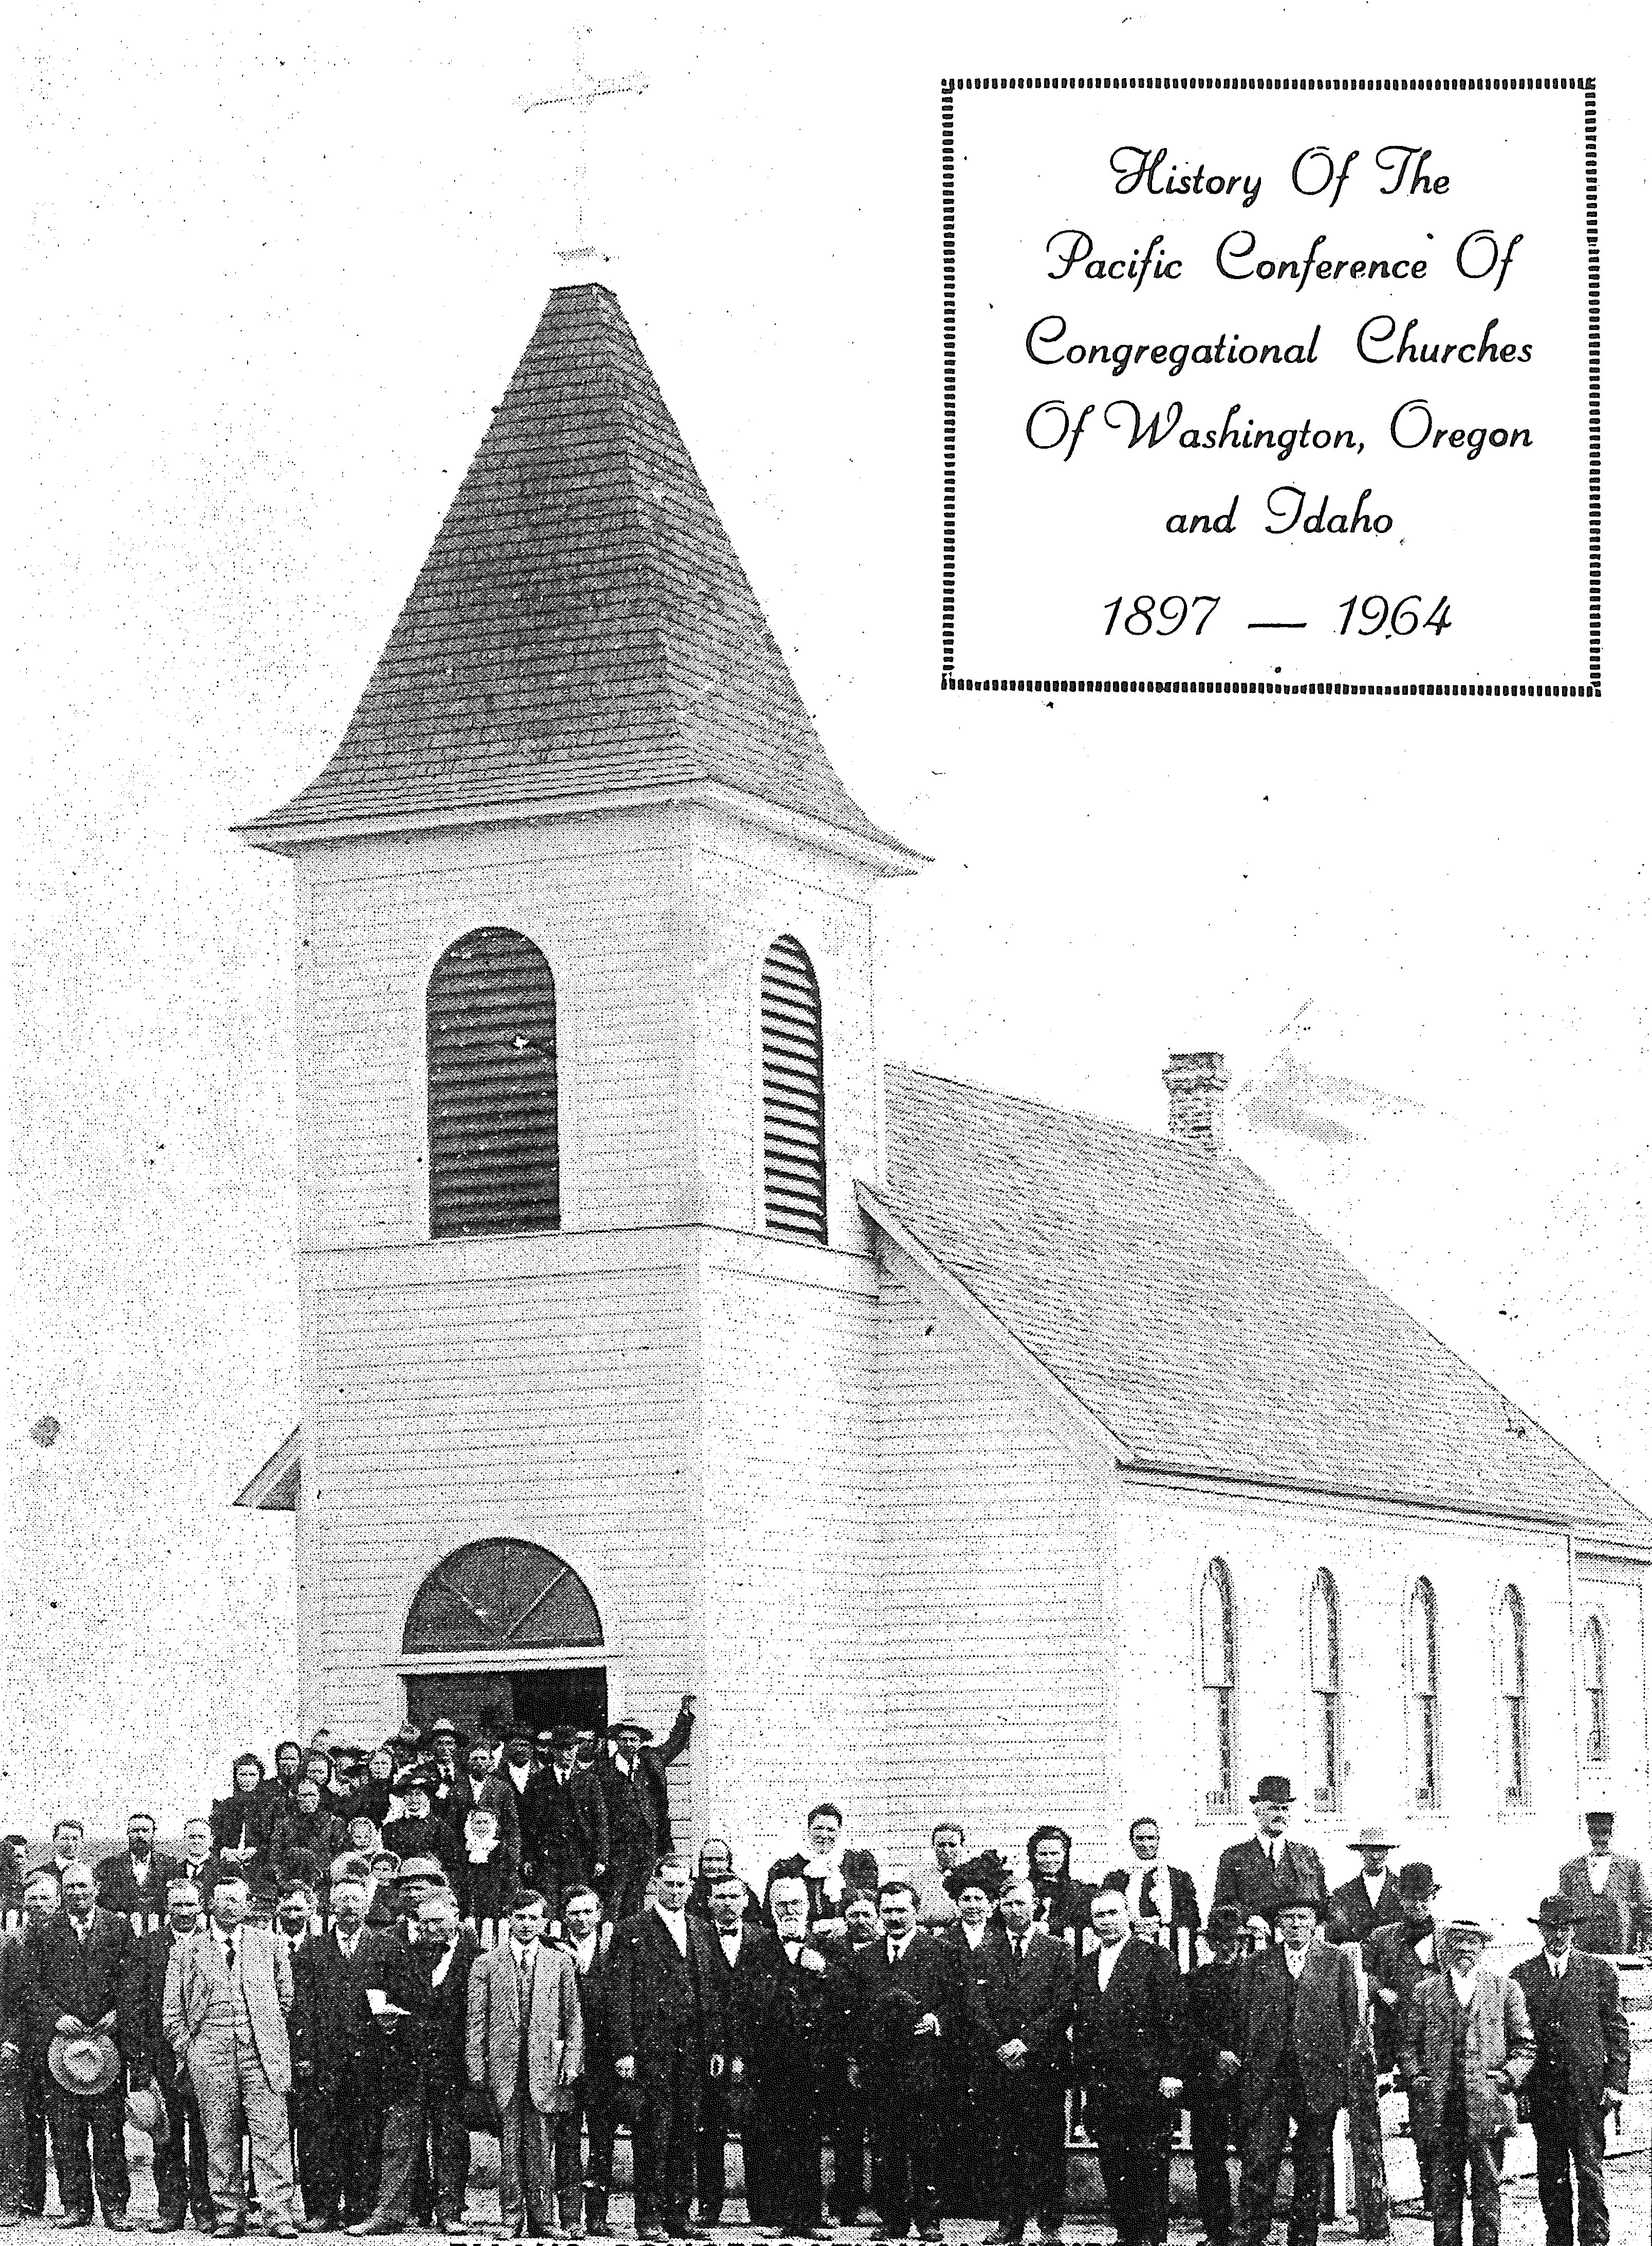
<point>581,629</point>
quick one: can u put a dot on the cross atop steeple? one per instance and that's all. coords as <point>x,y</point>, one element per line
<point>586,89</point>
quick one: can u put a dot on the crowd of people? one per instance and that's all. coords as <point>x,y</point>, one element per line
<point>359,1958</point>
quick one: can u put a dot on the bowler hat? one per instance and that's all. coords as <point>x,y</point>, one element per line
<point>565,1735</point>
<point>1599,1817</point>
<point>1296,1899</point>
<point>1372,1836</point>
<point>1273,1788</point>
<point>85,2065</point>
<point>147,2110</point>
<point>1555,1910</point>
<point>631,1724</point>
<point>1417,1880</point>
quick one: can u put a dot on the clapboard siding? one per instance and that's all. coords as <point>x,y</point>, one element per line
<point>789,1375</point>
<point>1489,1860</point>
<point>996,1632</point>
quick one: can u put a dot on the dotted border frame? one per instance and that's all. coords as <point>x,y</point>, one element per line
<point>951,682</point>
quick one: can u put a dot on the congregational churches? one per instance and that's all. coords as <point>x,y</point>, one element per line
<point>960,1453</point>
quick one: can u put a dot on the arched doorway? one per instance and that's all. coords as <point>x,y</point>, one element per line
<point>503,1625</point>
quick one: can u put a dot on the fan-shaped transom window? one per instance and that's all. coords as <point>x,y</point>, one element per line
<point>500,1596</point>
<point>794,1181</point>
<point>490,1048</point>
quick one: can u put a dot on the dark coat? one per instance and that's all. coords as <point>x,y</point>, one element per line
<point>301,2021</point>
<point>564,1823</point>
<point>490,1793</point>
<point>1394,1969</point>
<point>1031,1998</point>
<point>860,1869</point>
<point>143,2042</point>
<point>594,2012</point>
<point>1616,1921</point>
<point>1184,1896</point>
<point>1352,1919</point>
<point>974,1970</point>
<point>206,1875</point>
<point>791,2032</point>
<point>66,1975</point>
<point>16,2025</point>
<point>247,1819</point>
<point>487,1891</point>
<point>1318,2015</point>
<point>651,1990</point>
<point>886,2002</point>
<point>737,1985</point>
<point>425,1836</point>
<point>319,1835</point>
<point>639,1805</point>
<point>119,1890</point>
<point>1246,1875</point>
<point>1582,2036</point>
<point>1212,2021</point>
<point>430,2044</point>
<point>1127,2036</point>
<point>341,2024</point>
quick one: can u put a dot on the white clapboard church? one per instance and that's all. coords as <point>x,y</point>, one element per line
<point>960,1454</point>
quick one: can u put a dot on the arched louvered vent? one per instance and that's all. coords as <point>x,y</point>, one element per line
<point>490,1020</point>
<point>794,1196</point>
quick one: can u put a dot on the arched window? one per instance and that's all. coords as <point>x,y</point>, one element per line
<point>1511,1697</point>
<point>1218,1680</point>
<point>1325,1692</point>
<point>1423,1669</point>
<point>794,1187</point>
<point>1596,1735</point>
<point>498,1598</point>
<point>490,1051</point>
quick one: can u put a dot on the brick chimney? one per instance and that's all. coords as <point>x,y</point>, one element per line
<point>1196,1082</point>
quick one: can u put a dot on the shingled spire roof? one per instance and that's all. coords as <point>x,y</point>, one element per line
<point>581,626</point>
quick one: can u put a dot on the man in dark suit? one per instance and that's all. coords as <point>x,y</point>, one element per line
<point>1127,2057</point>
<point>847,2102</point>
<point>76,1966</point>
<point>180,2162</point>
<point>1021,2007</point>
<point>15,2040</point>
<point>1400,1955</point>
<point>42,1900</point>
<point>968,2066</point>
<point>1156,1894</point>
<point>1581,2074</point>
<point>637,1798</point>
<point>1255,1873</point>
<point>583,1936</point>
<point>666,2030</point>
<point>1371,1899</point>
<point>295,1916</point>
<point>1213,2029</point>
<point>481,1786</point>
<point>740,1956</point>
<point>786,2028</point>
<point>424,1985</point>
<point>904,2004</point>
<point>344,2045</point>
<point>1609,1891</point>
<point>137,1879</point>
<point>199,1863</point>
<point>1301,2005</point>
<point>564,1820</point>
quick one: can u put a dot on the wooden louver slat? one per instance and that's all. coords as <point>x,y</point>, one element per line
<point>491,1061</point>
<point>794,1194</point>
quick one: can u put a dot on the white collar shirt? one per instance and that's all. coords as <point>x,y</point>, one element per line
<point>1107,1955</point>
<point>1465,1983</point>
<point>897,1948</point>
<point>1599,1870</point>
<point>730,1944</point>
<point>1295,1960</point>
<point>676,1926</point>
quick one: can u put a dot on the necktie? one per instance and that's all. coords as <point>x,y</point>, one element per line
<point>230,1955</point>
<point>522,1983</point>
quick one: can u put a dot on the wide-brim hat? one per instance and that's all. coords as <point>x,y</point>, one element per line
<point>84,2064</point>
<point>420,1868</point>
<point>1464,1926</point>
<point>147,2110</point>
<point>1372,1836</point>
<point>443,1724</point>
<point>631,1724</point>
<point>1273,1788</point>
<point>1555,1910</point>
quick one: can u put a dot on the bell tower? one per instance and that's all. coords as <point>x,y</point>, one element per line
<point>587,1075</point>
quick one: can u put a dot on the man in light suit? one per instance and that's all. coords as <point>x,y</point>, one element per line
<point>1581,2074</point>
<point>1256,1874</point>
<point>1127,2055</point>
<point>1610,1893</point>
<point>1468,2048</point>
<point>523,2046</point>
<point>229,1989</point>
<point>1301,2009</point>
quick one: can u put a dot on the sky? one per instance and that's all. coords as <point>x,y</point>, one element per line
<point>274,269</point>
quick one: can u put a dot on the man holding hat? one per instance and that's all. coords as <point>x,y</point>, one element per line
<point>1581,2074</point>
<point>1213,2030</point>
<point>638,1802</point>
<point>1371,1899</point>
<point>564,1821</point>
<point>1300,2006</point>
<point>1468,2047</point>
<point>180,2150</point>
<point>1255,1873</point>
<point>75,1964</point>
<point>1609,1891</point>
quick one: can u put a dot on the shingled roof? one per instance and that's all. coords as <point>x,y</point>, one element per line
<point>1202,1321</point>
<point>581,624</point>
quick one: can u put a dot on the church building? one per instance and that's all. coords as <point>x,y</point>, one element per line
<point>962,1455</point>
